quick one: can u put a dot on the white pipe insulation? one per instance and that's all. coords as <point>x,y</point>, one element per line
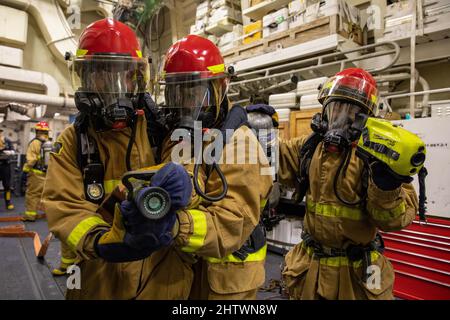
<point>25,97</point>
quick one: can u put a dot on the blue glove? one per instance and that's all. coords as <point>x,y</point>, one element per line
<point>153,234</point>
<point>176,181</point>
<point>134,237</point>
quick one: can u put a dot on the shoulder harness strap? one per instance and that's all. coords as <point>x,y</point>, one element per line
<point>306,153</point>
<point>88,159</point>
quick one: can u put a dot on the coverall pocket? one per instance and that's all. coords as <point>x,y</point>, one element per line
<point>229,278</point>
<point>380,282</point>
<point>166,276</point>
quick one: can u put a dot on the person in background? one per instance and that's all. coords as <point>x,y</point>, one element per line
<point>35,167</point>
<point>6,150</point>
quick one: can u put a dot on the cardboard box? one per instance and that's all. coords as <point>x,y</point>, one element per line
<point>275,22</point>
<point>231,37</point>
<point>252,32</point>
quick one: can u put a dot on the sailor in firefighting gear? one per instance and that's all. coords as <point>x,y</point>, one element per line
<point>35,168</point>
<point>123,256</point>
<point>6,150</point>
<point>346,203</point>
<point>88,159</point>
<point>222,236</point>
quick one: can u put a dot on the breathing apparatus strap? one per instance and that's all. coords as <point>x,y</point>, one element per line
<point>305,155</point>
<point>88,159</point>
<point>37,165</point>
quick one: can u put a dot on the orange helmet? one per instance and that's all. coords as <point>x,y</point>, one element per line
<point>41,126</point>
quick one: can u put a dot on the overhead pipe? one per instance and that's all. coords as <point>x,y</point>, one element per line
<point>407,76</point>
<point>418,93</point>
<point>314,67</point>
<point>319,60</point>
<point>26,97</point>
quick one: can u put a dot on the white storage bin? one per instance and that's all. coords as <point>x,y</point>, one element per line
<point>297,20</point>
<point>275,22</point>
<point>310,86</point>
<point>225,12</point>
<point>202,10</point>
<point>283,100</point>
<point>309,101</point>
<point>201,23</point>
<point>297,6</point>
<point>219,3</point>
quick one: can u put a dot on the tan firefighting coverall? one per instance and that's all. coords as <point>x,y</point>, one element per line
<point>336,225</point>
<point>213,230</point>
<point>35,179</point>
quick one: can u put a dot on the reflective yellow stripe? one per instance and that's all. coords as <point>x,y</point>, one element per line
<point>197,239</point>
<point>218,68</point>
<point>335,211</point>
<point>342,261</point>
<point>38,172</point>
<point>31,213</point>
<point>259,255</point>
<point>263,204</point>
<point>81,229</point>
<point>26,169</point>
<point>386,215</point>
<point>67,260</point>
<point>7,195</point>
<point>110,185</point>
<point>81,52</point>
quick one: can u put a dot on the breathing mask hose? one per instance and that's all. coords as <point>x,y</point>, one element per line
<point>345,161</point>
<point>131,142</point>
<point>215,167</point>
<point>422,194</point>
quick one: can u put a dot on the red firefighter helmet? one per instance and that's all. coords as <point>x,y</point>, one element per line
<point>195,54</point>
<point>109,66</point>
<point>41,126</point>
<point>352,85</point>
<point>195,80</point>
<point>108,36</point>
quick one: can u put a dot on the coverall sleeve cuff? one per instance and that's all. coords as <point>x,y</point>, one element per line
<point>184,228</point>
<point>86,247</point>
<point>376,193</point>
